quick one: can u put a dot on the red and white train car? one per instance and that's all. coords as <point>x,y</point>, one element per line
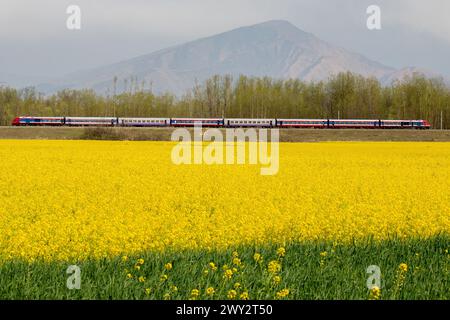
<point>301,123</point>
<point>144,122</point>
<point>247,122</point>
<point>191,122</point>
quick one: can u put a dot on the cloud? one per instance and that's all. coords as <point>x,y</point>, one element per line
<point>184,18</point>
<point>420,16</point>
<point>171,17</point>
<point>36,39</point>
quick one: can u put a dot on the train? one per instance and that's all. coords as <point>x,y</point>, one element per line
<point>222,122</point>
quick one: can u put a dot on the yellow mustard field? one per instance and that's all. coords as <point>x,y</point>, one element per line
<point>62,200</point>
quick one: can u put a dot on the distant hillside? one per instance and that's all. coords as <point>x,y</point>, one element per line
<point>276,49</point>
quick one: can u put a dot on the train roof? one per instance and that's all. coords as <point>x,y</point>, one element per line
<point>138,118</point>
<point>27,117</point>
<point>250,119</point>
<point>96,118</point>
<point>200,119</point>
<point>286,119</point>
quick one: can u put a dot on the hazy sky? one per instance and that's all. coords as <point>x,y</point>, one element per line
<point>34,39</point>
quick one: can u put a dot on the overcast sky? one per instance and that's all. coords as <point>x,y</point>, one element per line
<point>34,39</point>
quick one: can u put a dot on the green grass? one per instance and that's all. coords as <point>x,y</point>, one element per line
<point>341,274</point>
<point>164,134</point>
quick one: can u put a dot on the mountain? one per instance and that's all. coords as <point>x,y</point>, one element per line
<point>409,72</point>
<point>276,49</point>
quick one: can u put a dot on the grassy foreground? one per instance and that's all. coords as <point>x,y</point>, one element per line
<point>163,134</point>
<point>410,269</point>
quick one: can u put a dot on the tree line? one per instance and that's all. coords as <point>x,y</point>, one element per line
<point>345,95</point>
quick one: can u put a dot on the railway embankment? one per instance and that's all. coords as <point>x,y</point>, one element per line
<point>164,134</point>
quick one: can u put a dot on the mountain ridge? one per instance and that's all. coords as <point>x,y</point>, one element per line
<point>274,48</point>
